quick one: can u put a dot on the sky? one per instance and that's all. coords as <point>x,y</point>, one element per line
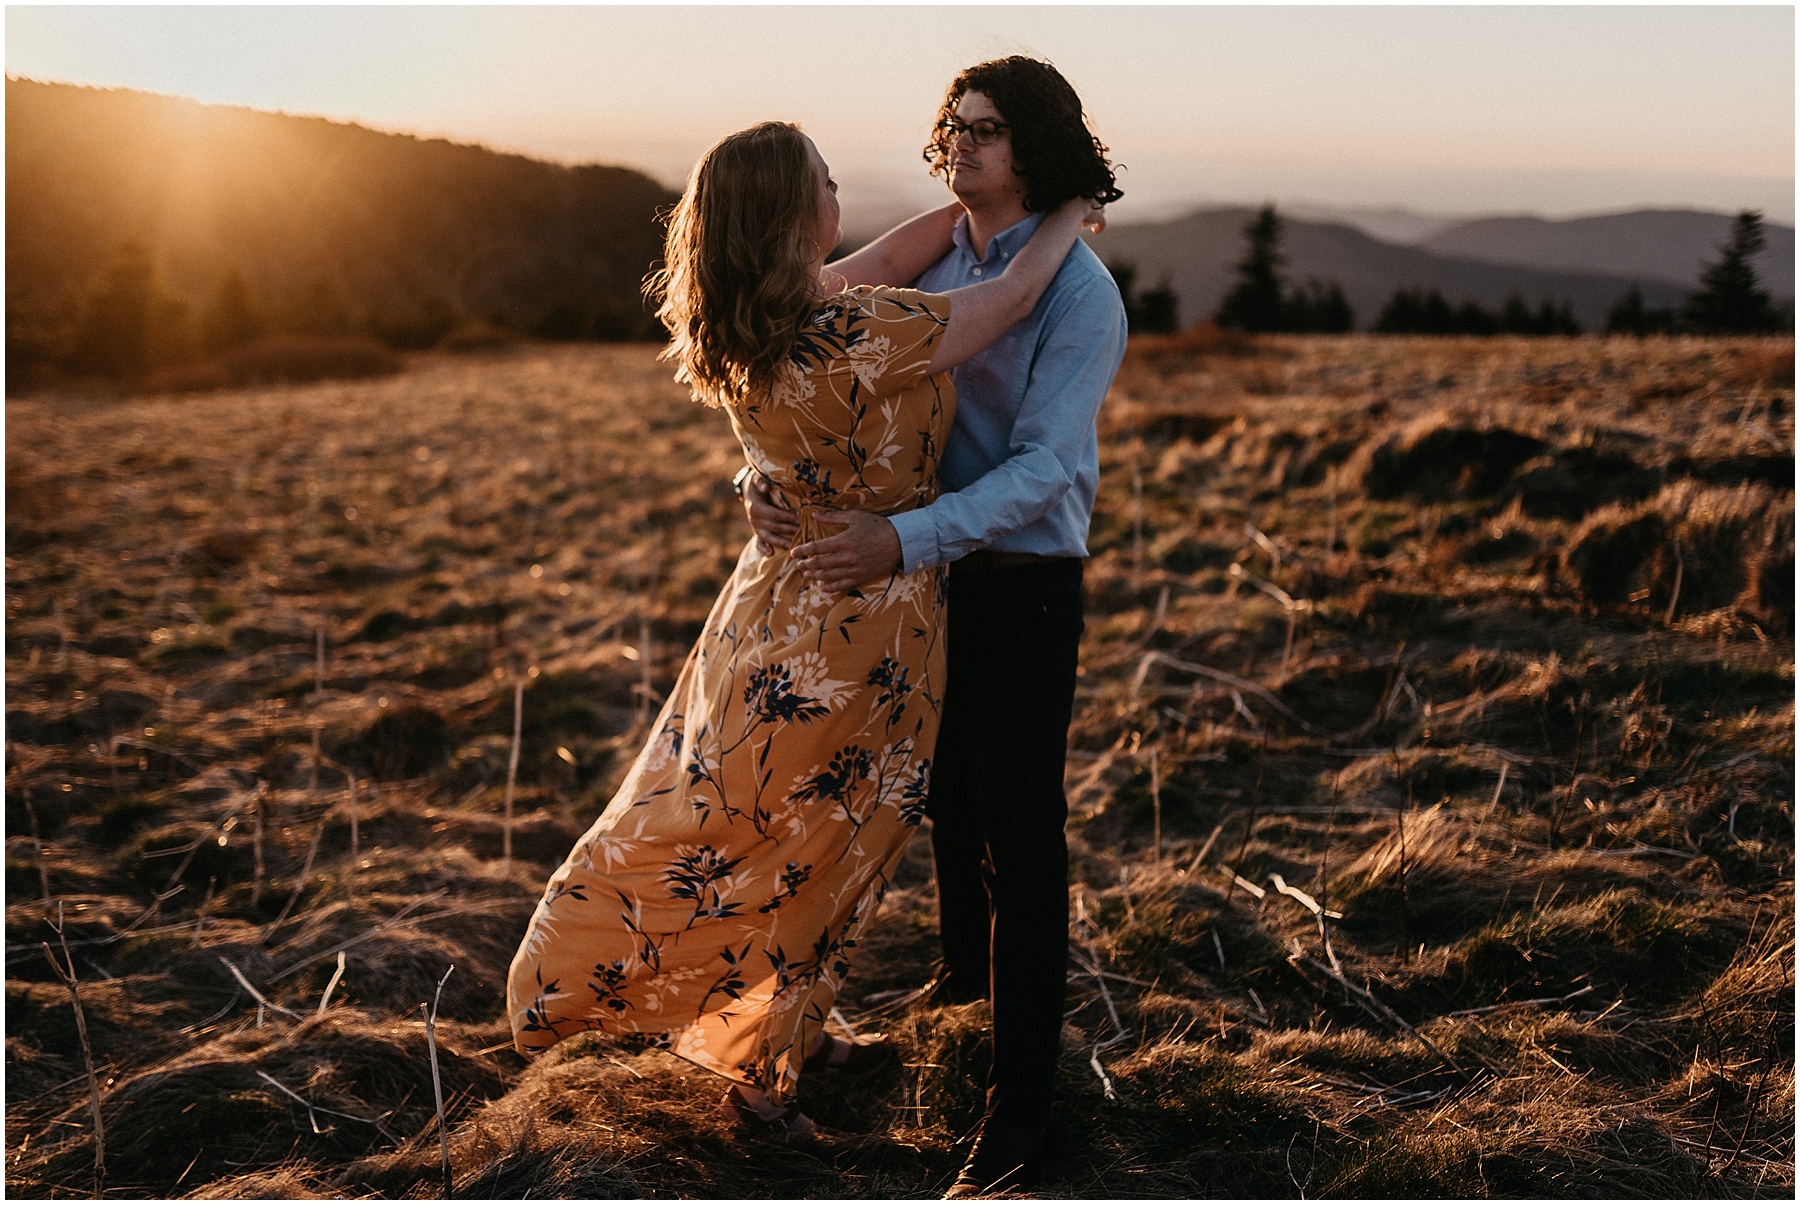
<point>1445,110</point>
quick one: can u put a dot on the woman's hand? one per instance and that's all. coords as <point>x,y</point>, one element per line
<point>867,550</point>
<point>1089,215</point>
<point>774,527</point>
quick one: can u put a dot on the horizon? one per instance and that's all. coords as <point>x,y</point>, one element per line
<point>1345,109</point>
<point>1299,208</point>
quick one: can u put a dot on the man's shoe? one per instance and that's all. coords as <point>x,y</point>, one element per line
<point>1006,1158</point>
<point>947,988</point>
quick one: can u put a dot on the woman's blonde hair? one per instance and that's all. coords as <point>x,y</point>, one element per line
<point>736,281</point>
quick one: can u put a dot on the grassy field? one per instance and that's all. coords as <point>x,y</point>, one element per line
<point>1432,781</point>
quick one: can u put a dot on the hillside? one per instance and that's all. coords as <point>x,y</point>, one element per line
<point>1196,254</point>
<point>1456,677</point>
<point>332,226</point>
<point>1669,245</point>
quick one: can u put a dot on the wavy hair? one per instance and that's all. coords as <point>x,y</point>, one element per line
<point>1052,146</point>
<point>735,286</point>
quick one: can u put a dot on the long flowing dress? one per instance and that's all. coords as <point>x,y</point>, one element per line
<point>713,908</point>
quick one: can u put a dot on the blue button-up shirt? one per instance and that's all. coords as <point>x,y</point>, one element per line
<point>1023,461</point>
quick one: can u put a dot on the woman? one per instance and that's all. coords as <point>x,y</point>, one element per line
<point>712,908</point>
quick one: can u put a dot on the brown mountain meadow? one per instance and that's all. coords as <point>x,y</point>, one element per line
<point>1432,781</point>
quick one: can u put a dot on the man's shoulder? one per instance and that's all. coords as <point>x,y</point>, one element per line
<point>1082,272</point>
<point>1084,286</point>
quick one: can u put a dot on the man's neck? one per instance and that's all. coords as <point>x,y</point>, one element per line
<point>985,221</point>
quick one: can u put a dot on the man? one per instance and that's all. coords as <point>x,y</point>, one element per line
<point>1020,470</point>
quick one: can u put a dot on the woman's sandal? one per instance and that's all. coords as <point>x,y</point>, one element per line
<point>851,1056</point>
<point>787,1125</point>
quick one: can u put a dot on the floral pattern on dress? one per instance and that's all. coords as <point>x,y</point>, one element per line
<point>715,906</point>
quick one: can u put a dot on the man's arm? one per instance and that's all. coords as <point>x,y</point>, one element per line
<point>1071,373</point>
<point>1069,378</point>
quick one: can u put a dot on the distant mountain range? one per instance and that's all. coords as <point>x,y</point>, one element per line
<point>330,225</point>
<point>1587,262</point>
<point>1652,244</point>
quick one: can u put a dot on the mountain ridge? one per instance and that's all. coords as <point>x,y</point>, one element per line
<point>329,223</point>
<point>1196,254</point>
<point>1671,245</point>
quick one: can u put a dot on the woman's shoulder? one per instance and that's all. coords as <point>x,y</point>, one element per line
<point>889,303</point>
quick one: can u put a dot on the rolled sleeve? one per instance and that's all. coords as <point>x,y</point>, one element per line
<point>1081,342</point>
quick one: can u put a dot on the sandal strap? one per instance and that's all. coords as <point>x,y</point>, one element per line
<point>853,1055</point>
<point>789,1123</point>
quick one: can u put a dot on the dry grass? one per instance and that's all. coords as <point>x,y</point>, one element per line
<point>292,359</point>
<point>1483,648</point>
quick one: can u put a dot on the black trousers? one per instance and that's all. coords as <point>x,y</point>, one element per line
<point>997,811</point>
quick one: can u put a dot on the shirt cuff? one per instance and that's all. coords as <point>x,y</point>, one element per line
<point>918,539</point>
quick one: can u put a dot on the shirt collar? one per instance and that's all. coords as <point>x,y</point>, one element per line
<point>1006,243</point>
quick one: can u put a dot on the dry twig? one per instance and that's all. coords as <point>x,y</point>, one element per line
<point>332,985</point>
<point>262,1001</point>
<point>312,1109</point>
<point>70,980</point>
<point>437,1083</point>
<point>512,776</point>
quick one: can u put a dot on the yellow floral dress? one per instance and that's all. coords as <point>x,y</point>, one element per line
<point>713,908</point>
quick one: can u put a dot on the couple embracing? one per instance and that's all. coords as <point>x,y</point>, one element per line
<point>898,642</point>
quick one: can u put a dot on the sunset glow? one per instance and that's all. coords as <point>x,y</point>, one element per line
<point>1555,110</point>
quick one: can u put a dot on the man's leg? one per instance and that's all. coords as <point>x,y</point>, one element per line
<point>958,845</point>
<point>1028,652</point>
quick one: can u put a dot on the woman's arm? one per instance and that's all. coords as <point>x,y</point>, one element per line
<point>980,314</point>
<point>902,254</point>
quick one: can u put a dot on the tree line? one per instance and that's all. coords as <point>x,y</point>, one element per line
<point>146,231</point>
<point>1729,301</point>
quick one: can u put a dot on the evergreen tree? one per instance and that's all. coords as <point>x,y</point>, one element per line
<point>1320,307</point>
<point>127,325</point>
<point>1156,311</point>
<point>232,320</point>
<point>1150,312</point>
<point>1255,302</point>
<point>1418,312</point>
<point>1554,319</point>
<point>1729,301</point>
<point>1402,314</point>
<point>1471,319</point>
<point>1516,317</point>
<point>1628,316</point>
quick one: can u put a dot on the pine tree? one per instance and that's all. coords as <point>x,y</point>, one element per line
<point>232,320</point>
<point>1628,316</point>
<point>1554,319</point>
<point>1320,307</point>
<point>1403,313</point>
<point>1516,317</point>
<point>115,333</point>
<point>1729,301</point>
<point>1255,302</point>
<point>1147,312</point>
<point>1471,319</point>
<point>1156,311</point>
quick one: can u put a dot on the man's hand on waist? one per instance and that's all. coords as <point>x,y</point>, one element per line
<point>867,550</point>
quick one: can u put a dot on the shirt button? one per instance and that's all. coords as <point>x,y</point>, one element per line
<point>976,271</point>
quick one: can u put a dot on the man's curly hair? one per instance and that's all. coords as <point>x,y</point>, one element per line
<point>1052,147</point>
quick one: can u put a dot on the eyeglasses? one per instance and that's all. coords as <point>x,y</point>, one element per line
<point>981,131</point>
